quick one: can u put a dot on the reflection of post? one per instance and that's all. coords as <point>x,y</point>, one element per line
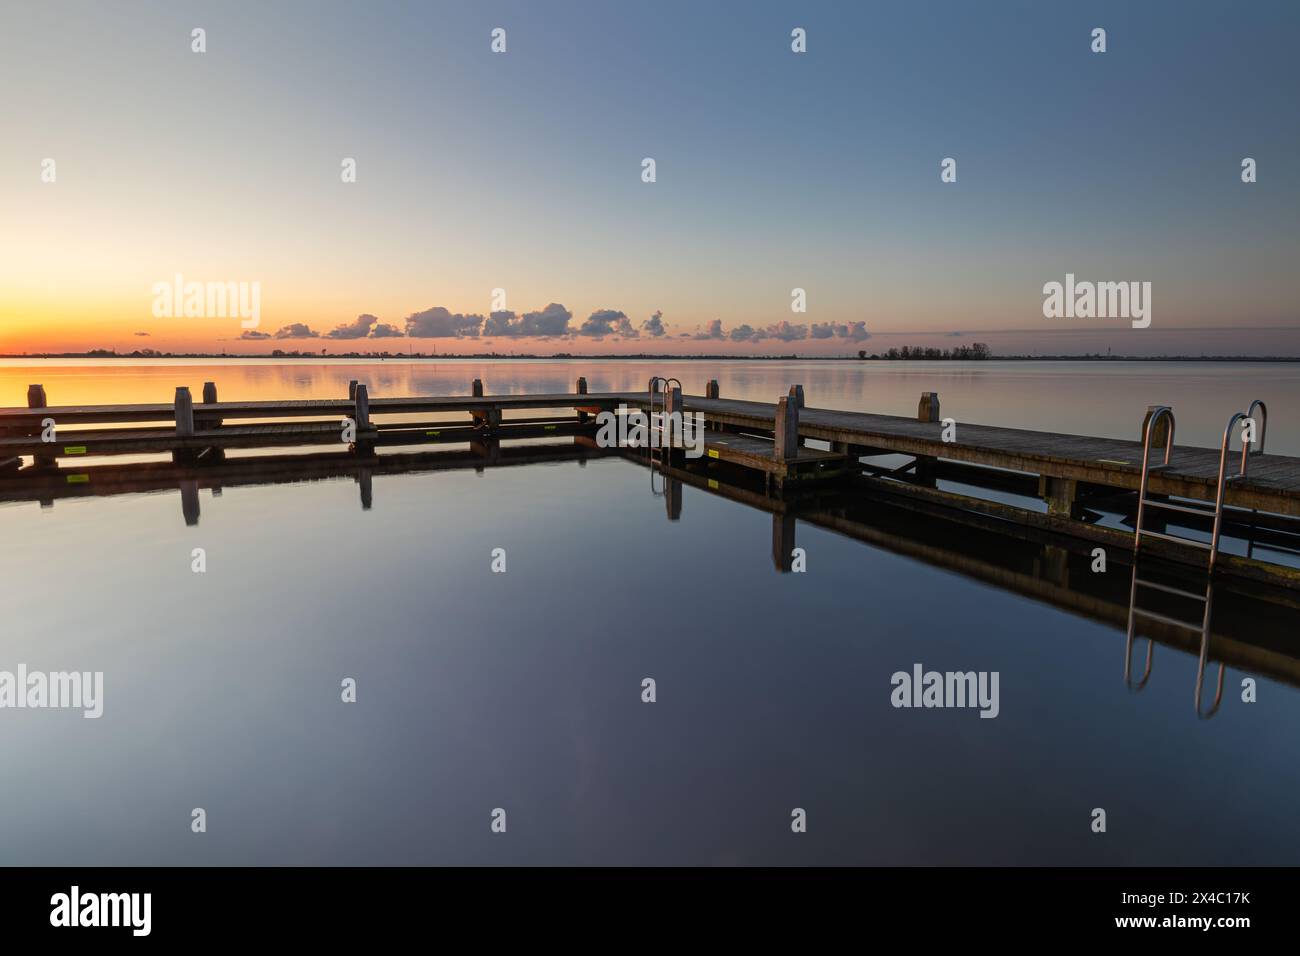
<point>1055,565</point>
<point>673,498</point>
<point>367,488</point>
<point>486,447</point>
<point>782,541</point>
<point>190,502</point>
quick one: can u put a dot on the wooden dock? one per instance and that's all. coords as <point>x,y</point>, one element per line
<point>780,441</point>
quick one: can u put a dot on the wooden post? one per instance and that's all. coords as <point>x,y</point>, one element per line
<point>1060,495</point>
<point>209,398</point>
<point>1159,435</point>
<point>352,390</point>
<point>184,412</point>
<point>927,410</point>
<point>672,412</point>
<point>361,408</point>
<point>581,388</point>
<point>787,429</point>
<point>36,399</point>
<point>477,390</point>
<point>796,395</point>
<point>711,389</point>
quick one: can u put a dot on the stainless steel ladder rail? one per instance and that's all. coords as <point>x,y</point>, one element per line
<point>1144,501</point>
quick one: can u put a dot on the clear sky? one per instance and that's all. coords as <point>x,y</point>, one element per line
<point>775,170</point>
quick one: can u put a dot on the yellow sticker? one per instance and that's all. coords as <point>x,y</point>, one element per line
<point>74,450</point>
<point>713,453</point>
<point>713,483</point>
<point>549,428</point>
<point>433,434</point>
<point>78,479</point>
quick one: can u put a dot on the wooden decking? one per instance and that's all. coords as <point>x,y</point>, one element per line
<point>1272,483</point>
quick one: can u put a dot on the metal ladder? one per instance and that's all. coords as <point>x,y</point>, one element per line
<point>1164,411</point>
<point>658,387</point>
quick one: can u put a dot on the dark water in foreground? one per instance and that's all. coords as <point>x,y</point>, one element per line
<point>523,690</point>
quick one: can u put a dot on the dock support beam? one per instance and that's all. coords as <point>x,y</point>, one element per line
<point>711,389</point>
<point>352,390</point>
<point>796,395</point>
<point>364,444</point>
<point>205,422</point>
<point>927,410</point>
<point>1060,494</point>
<point>476,389</point>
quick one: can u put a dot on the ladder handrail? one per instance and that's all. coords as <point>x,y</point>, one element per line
<point>1223,480</point>
<point>1263,427</point>
<point>1160,411</point>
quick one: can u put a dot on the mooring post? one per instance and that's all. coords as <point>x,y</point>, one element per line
<point>672,413</point>
<point>927,410</point>
<point>796,395</point>
<point>352,390</point>
<point>36,399</point>
<point>1060,495</point>
<point>711,389</point>
<point>361,407</point>
<point>184,412</point>
<point>209,398</point>
<point>1159,434</point>
<point>477,388</point>
<point>581,389</point>
<point>787,429</point>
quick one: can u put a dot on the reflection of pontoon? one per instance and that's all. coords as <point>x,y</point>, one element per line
<point>1254,625</point>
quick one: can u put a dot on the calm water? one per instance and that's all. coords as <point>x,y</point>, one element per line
<point>523,690</point>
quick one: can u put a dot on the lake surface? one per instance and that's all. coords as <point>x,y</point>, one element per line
<point>523,690</point>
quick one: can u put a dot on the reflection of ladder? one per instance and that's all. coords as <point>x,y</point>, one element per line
<point>659,388</point>
<point>1203,626</point>
<point>1144,501</point>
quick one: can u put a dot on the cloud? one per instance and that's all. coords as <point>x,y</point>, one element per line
<point>711,331</point>
<point>742,333</point>
<point>786,332</point>
<point>549,322</point>
<point>654,326</point>
<point>253,334</point>
<point>146,334</point>
<point>359,328</point>
<point>438,323</point>
<point>385,331</point>
<point>605,322</point>
<point>296,330</point>
<point>853,331</point>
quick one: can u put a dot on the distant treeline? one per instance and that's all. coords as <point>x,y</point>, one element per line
<point>976,351</point>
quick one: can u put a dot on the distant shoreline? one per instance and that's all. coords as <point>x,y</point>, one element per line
<point>632,357</point>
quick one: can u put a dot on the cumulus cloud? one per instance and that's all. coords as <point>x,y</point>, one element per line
<point>549,322</point>
<point>711,331</point>
<point>654,326</point>
<point>742,333</point>
<point>605,322</point>
<point>438,323</point>
<point>359,328</point>
<point>787,331</point>
<point>296,330</point>
<point>253,334</point>
<point>385,331</point>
